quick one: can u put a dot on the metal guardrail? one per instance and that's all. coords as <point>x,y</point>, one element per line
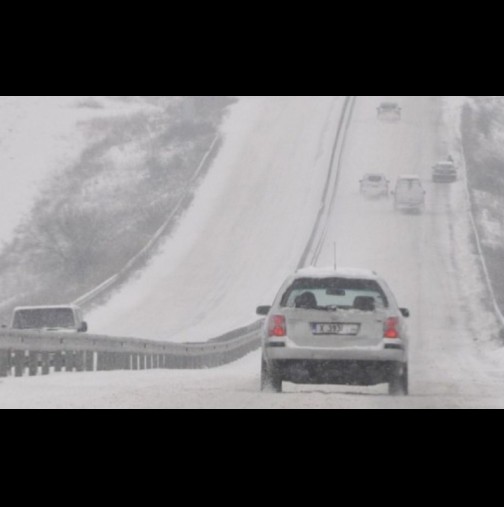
<point>319,234</point>
<point>44,353</point>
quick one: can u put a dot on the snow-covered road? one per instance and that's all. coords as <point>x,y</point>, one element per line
<point>429,261</point>
<point>246,231</point>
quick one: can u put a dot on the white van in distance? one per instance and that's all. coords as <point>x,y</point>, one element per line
<point>409,194</point>
<point>64,318</point>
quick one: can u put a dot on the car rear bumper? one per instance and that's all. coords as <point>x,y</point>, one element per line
<point>444,178</point>
<point>374,192</point>
<point>319,354</point>
<point>357,373</point>
<point>409,205</point>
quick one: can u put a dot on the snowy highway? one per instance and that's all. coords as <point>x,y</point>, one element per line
<point>246,231</point>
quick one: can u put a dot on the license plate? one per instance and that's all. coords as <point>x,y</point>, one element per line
<point>335,329</point>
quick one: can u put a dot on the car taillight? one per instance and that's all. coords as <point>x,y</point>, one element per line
<point>277,326</point>
<point>390,328</point>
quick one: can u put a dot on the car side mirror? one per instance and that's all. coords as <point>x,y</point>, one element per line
<point>405,312</point>
<point>263,310</point>
<point>83,328</point>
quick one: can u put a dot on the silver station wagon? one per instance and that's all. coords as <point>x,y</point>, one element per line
<point>335,327</point>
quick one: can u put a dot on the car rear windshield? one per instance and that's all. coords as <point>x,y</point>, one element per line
<point>375,178</point>
<point>44,319</point>
<point>409,185</point>
<point>334,293</point>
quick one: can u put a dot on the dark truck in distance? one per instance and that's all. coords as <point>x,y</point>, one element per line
<point>63,318</point>
<point>444,172</point>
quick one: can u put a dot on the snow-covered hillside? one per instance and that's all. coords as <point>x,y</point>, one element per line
<point>39,136</point>
<point>86,181</point>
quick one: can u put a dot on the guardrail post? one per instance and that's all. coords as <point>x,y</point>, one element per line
<point>216,359</point>
<point>69,360</point>
<point>183,362</point>
<point>111,361</point>
<point>33,358</point>
<point>191,363</point>
<point>19,362</point>
<point>45,363</point>
<point>120,361</point>
<point>198,362</point>
<point>102,361</point>
<point>80,360</point>
<point>195,363</point>
<point>89,360</point>
<point>108,361</point>
<point>124,361</point>
<point>162,361</point>
<point>58,362</point>
<point>203,361</point>
<point>99,361</point>
<point>4,363</point>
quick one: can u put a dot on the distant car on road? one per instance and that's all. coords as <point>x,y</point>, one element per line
<point>389,111</point>
<point>374,185</point>
<point>444,172</point>
<point>335,327</point>
<point>64,318</point>
<point>409,194</point>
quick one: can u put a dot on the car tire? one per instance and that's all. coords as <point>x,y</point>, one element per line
<point>271,381</point>
<point>399,383</point>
